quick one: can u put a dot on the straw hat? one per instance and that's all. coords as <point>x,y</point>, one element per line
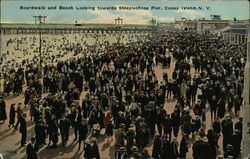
<point>93,139</point>
<point>131,129</point>
<point>122,148</point>
<point>205,139</point>
<point>134,148</point>
<point>197,138</point>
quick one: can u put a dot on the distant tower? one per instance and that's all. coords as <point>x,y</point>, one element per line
<point>152,22</point>
<point>119,21</point>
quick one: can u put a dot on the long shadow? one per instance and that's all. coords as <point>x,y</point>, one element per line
<point>14,152</point>
<point>77,155</point>
<point>30,134</point>
<point>7,135</point>
<point>106,145</point>
<point>4,131</point>
<point>30,123</point>
<point>101,138</point>
<point>49,152</point>
<point>112,151</point>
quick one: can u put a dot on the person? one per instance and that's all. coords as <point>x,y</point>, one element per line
<point>83,131</point>
<point>213,107</point>
<point>175,116</point>
<point>227,130</point>
<point>12,115</point>
<point>197,147</point>
<point>108,124</point>
<point>91,150</point>
<point>165,147</point>
<point>160,117</point>
<point>235,141</point>
<point>142,136</point>
<point>119,137</point>
<point>64,125</point>
<point>122,153</point>
<point>183,148</point>
<point>53,131</point>
<point>239,126</point>
<point>76,118</point>
<point>217,130</point>
<point>19,115</point>
<point>186,123</point>
<point>130,137</point>
<point>173,151</point>
<point>3,115</point>
<point>23,130</point>
<point>31,150</point>
<point>212,144</point>
<point>167,126</point>
<point>40,130</point>
<point>156,152</point>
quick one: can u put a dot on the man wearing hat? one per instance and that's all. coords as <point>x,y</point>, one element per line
<point>130,136</point>
<point>31,149</point>
<point>40,130</point>
<point>165,147</point>
<point>183,147</point>
<point>173,151</point>
<point>122,153</point>
<point>227,130</point>
<point>12,115</point>
<point>91,150</point>
<point>156,152</point>
<point>238,126</point>
<point>19,114</point>
<point>175,116</point>
<point>23,129</point>
<point>167,126</point>
<point>3,115</point>
<point>135,152</point>
<point>83,131</point>
<point>160,117</point>
<point>64,125</point>
<point>119,136</point>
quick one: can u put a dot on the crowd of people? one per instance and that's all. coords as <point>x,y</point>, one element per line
<point>120,92</point>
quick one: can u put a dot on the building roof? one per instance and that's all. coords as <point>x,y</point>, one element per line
<point>213,21</point>
<point>236,31</point>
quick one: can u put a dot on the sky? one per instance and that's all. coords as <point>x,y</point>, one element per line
<point>228,9</point>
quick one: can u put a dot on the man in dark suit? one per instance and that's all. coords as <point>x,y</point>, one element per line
<point>91,150</point>
<point>64,125</point>
<point>23,130</point>
<point>31,149</point>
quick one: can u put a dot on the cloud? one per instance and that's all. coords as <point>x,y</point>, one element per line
<point>15,21</point>
<point>128,16</point>
<point>190,14</point>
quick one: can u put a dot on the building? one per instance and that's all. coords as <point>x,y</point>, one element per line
<point>236,32</point>
<point>235,35</point>
<point>202,26</point>
<point>211,26</point>
<point>187,25</point>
